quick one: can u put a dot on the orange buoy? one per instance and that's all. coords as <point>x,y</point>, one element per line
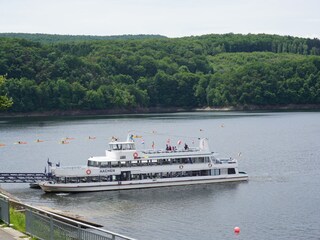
<point>236,230</point>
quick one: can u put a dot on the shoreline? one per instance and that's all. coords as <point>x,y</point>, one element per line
<point>74,113</point>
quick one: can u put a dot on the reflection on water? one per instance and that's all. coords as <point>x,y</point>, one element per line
<point>280,152</point>
<point>163,195</point>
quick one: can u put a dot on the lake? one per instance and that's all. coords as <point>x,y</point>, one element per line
<point>279,150</point>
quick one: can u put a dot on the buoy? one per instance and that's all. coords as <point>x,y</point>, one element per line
<point>2,145</point>
<point>236,230</point>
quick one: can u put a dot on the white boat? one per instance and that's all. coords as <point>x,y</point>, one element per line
<point>125,167</point>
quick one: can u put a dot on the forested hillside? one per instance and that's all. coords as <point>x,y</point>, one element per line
<point>190,72</point>
<point>56,38</point>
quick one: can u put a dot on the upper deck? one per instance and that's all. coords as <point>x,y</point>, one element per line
<point>126,151</point>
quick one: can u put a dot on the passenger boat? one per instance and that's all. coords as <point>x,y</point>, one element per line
<point>125,167</point>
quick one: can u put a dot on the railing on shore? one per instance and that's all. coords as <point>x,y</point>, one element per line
<point>4,209</point>
<point>45,225</point>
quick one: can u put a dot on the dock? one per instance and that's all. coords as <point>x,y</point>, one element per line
<point>23,177</point>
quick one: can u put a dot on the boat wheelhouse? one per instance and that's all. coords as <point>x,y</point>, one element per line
<point>125,167</point>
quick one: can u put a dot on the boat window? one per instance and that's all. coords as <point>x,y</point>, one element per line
<point>231,171</point>
<point>115,147</point>
<point>174,161</point>
<point>216,172</point>
<point>199,160</point>
<point>93,163</point>
<point>186,160</point>
<point>119,146</point>
<point>90,163</point>
<point>128,146</point>
<point>104,164</point>
<point>116,164</point>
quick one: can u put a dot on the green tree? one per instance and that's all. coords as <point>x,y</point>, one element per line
<point>94,100</point>
<point>5,102</point>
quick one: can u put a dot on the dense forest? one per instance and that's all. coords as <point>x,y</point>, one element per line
<point>143,72</point>
<point>56,38</point>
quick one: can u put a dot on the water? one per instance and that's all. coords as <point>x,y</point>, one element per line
<point>280,152</point>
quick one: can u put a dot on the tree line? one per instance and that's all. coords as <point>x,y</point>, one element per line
<point>57,38</point>
<point>190,72</point>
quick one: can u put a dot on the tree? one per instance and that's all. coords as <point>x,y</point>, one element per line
<point>94,100</point>
<point>5,102</point>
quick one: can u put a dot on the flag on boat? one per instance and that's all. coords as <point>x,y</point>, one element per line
<point>179,142</point>
<point>49,163</point>
<point>142,141</point>
<point>152,144</point>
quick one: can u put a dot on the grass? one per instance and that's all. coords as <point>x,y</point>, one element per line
<point>18,219</point>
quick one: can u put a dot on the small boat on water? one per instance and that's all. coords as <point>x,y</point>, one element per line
<point>125,167</point>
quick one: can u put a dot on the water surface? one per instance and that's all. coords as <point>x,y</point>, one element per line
<point>279,151</point>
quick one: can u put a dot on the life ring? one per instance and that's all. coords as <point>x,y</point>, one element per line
<point>209,165</point>
<point>181,166</point>
<point>135,155</point>
<point>88,172</point>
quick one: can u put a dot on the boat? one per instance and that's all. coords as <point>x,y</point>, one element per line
<point>125,167</point>
<point>34,185</point>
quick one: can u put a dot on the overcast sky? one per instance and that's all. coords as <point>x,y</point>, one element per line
<point>172,18</point>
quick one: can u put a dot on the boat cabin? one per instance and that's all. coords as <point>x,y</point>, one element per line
<point>121,146</point>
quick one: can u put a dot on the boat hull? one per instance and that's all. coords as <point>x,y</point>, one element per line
<point>148,183</point>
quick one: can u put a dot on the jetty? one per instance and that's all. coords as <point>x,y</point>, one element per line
<point>23,177</point>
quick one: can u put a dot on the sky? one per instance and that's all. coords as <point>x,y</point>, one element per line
<point>172,18</point>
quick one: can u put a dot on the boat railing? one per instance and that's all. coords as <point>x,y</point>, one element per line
<point>70,167</point>
<point>152,151</point>
<point>225,160</point>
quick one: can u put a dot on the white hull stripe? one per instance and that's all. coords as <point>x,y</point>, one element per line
<point>122,186</point>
